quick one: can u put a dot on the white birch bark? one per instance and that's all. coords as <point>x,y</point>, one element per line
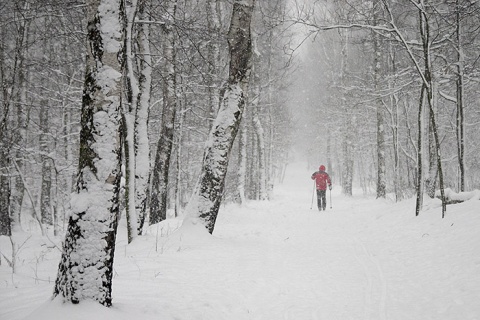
<point>46,188</point>
<point>270,106</point>
<point>129,123</point>
<point>205,202</point>
<point>86,267</point>
<point>460,122</point>
<point>142,146</point>
<point>260,133</point>
<point>381,147</point>
<point>348,147</point>
<point>242,158</point>
<point>213,55</point>
<point>158,201</point>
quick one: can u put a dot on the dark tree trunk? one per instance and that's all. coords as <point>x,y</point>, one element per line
<point>46,189</point>
<point>5,222</point>
<point>428,76</point>
<point>419,180</point>
<point>158,202</point>
<point>460,99</point>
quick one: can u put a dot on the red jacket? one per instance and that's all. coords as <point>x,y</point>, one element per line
<point>321,179</point>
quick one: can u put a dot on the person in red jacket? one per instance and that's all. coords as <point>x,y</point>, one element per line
<point>322,179</point>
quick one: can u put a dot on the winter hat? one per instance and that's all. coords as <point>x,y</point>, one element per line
<point>322,168</point>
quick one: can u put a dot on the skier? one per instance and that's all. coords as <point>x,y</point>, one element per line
<point>321,180</point>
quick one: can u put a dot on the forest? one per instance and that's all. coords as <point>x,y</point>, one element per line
<point>149,110</point>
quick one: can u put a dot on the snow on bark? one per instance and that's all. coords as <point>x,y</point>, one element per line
<point>86,266</point>
<point>381,147</point>
<point>242,160</point>
<point>5,223</point>
<point>203,206</point>
<point>213,54</point>
<point>129,147</point>
<point>205,202</point>
<point>129,122</point>
<point>260,133</point>
<point>158,202</point>
<point>46,188</point>
<point>142,147</point>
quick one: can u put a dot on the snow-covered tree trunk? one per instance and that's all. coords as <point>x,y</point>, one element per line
<point>68,151</point>
<point>432,173</point>
<point>381,148</point>
<point>252,165</point>
<point>205,202</point>
<point>260,133</point>
<point>5,222</point>
<point>142,146</point>
<point>424,9</point>
<point>46,189</point>
<point>179,140</point>
<point>269,158</point>
<point>86,267</point>
<point>460,121</point>
<point>348,146</point>
<point>21,133</point>
<point>394,119</point>
<point>397,183</point>
<point>158,201</point>
<point>213,56</point>
<point>419,186</point>
<point>129,115</point>
<point>242,159</point>
<point>13,90</point>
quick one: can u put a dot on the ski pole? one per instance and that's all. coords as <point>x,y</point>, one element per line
<point>313,193</point>
<point>330,198</point>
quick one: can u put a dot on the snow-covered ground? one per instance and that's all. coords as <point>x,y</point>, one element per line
<point>363,259</point>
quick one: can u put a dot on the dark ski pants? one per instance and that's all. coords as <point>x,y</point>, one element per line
<point>321,199</point>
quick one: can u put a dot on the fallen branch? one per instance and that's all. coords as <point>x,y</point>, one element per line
<point>452,197</point>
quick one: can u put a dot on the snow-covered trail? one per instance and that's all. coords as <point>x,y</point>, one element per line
<point>364,259</point>
<point>310,264</point>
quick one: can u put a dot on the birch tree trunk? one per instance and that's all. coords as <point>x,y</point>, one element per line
<point>21,133</point>
<point>260,133</point>
<point>269,158</point>
<point>129,124</point>
<point>348,147</point>
<point>179,138</point>
<point>142,146</point>
<point>262,171</point>
<point>213,55</point>
<point>428,76</point>
<point>158,201</point>
<point>381,168</point>
<point>5,222</point>
<point>46,189</point>
<point>432,174</point>
<point>419,186</point>
<point>242,159</point>
<point>129,116</point>
<point>11,89</point>
<point>460,97</point>
<point>205,202</point>
<point>86,267</point>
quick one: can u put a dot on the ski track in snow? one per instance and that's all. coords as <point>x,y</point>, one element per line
<point>364,259</point>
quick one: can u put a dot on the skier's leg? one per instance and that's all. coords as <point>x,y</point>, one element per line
<point>319,200</point>
<point>324,199</point>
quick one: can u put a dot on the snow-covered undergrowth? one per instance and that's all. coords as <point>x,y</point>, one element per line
<point>363,259</point>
